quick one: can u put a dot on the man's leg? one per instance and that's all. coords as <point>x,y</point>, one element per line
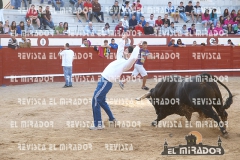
<point>62,3</point>
<point>96,15</point>
<point>70,76</point>
<point>65,75</point>
<point>143,73</point>
<point>55,4</point>
<point>99,98</point>
<point>102,17</point>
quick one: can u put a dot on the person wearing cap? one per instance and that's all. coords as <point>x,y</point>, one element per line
<point>67,63</point>
<point>12,42</point>
<point>189,10</point>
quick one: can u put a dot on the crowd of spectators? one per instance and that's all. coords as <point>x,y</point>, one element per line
<point>129,18</point>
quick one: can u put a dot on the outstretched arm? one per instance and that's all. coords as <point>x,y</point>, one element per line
<point>133,57</point>
<point>121,45</point>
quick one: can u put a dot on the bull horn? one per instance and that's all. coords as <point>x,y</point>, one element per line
<point>143,96</point>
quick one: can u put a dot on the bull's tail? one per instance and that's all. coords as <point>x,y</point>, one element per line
<point>229,100</point>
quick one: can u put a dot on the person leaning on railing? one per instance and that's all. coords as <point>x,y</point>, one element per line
<point>12,42</point>
<point>25,43</point>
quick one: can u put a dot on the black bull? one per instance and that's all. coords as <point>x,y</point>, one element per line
<point>193,94</point>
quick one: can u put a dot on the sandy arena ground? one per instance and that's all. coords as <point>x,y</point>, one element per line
<point>146,141</point>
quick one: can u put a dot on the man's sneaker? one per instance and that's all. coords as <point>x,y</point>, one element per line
<point>121,85</point>
<point>113,123</point>
<point>70,86</point>
<point>187,21</point>
<point>96,128</point>
<point>145,88</point>
<point>64,86</point>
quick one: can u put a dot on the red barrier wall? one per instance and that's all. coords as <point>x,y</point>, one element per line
<point>25,62</point>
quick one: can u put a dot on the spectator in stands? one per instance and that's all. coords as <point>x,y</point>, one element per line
<point>59,29</point>
<point>86,43</point>
<point>219,29</point>
<point>40,16</point>
<point>225,13</point>
<point>206,18</point>
<point>113,44</point>
<point>165,29</point>
<point>221,20</point>
<point>228,24</point>
<point>17,3</point>
<point>148,30</point>
<point>125,23</point>
<point>182,13</point>
<point>97,11</point>
<point>29,28</point>
<point>88,9</point>
<point>192,30</point>
<point>142,20</point>
<point>55,2</point>
<point>151,21</point>
<point>106,29</point>
<point>214,43</point>
<point>1,28</point>
<point>89,29</point>
<point>6,27</point>
<point>180,44</point>
<point>47,18</point>
<point>189,10</point>
<point>139,29</point>
<point>166,20</point>
<point>238,16</point>
<point>115,11</point>
<point>197,12</point>
<point>213,17</point>
<point>138,9</point>
<point>233,14</point>
<point>20,27</point>
<point>172,29</point>
<point>13,43</point>
<point>184,30</point>
<point>79,5</point>
<point>13,27</point>
<point>25,43</point>
<point>33,16</point>
<point>194,43</point>
<point>106,45</point>
<point>119,28</point>
<point>235,25</point>
<point>172,43</point>
<point>238,29</point>
<point>212,30</point>
<point>65,28</point>
<point>133,22</point>
<point>159,22</point>
<point>126,10</point>
<point>171,11</point>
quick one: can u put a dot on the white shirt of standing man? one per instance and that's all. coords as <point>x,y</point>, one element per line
<point>67,56</point>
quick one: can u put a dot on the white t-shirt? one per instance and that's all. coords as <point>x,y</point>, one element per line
<point>67,57</point>
<point>115,69</point>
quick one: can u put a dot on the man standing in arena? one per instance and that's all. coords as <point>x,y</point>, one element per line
<point>138,67</point>
<point>125,59</point>
<point>67,59</point>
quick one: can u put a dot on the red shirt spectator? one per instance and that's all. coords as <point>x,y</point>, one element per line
<point>159,22</point>
<point>139,28</point>
<point>138,6</point>
<point>119,29</point>
<point>32,12</point>
<point>88,4</point>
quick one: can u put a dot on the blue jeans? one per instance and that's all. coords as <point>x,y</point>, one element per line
<point>17,4</point>
<point>90,16</point>
<point>215,22</point>
<point>99,100</point>
<point>183,16</point>
<point>67,75</point>
<point>138,15</point>
<point>50,24</point>
<point>55,4</point>
<point>96,14</point>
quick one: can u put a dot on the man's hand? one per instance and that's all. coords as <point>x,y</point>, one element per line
<point>139,43</point>
<point>59,52</point>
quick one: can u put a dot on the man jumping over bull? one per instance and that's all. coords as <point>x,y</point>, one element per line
<point>125,60</point>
